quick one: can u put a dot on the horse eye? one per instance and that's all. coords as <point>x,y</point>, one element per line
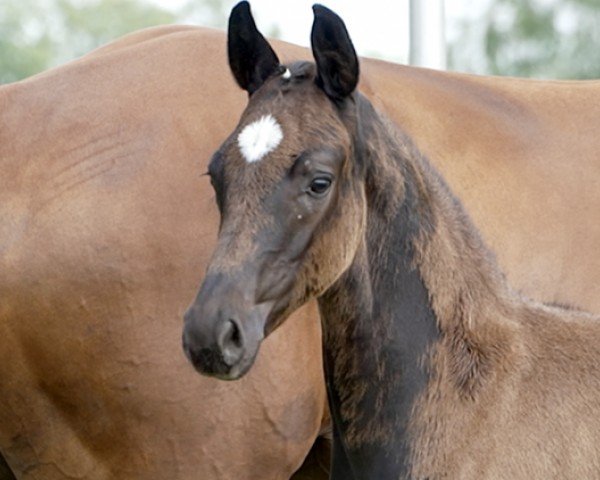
<point>319,186</point>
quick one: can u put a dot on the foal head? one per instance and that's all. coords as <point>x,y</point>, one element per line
<point>289,183</point>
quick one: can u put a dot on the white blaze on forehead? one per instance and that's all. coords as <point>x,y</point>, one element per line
<point>259,138</point>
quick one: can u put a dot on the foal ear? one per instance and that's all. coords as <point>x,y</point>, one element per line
<point>251,58</point>
<point>337,63</point>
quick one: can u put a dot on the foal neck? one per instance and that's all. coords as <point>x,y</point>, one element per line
<point>418,228</point>
<point>420,304</point>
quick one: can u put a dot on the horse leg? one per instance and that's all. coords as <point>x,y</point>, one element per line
<point>5,471</point>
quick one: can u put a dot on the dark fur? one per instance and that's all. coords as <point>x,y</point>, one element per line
<point>5,471</point>
<point>435,368</point>
<point>251,57</point>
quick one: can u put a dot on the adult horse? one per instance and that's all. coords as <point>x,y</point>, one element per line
<point>102,203</point>
<point>106,225</point>
<point>435,368</point>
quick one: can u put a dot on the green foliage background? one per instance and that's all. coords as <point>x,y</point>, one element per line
<point>38,34</point>
<point>531,38</point>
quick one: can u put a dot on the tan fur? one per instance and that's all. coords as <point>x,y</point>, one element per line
<point>106,227</point>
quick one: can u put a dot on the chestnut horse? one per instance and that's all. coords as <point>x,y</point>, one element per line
<point>107,223</point>
<point>435,367</point>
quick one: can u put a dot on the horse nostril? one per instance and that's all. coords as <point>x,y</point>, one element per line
<point>235,336</point>
<point>231,342</point>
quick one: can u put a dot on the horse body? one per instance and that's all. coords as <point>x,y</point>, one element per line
<point>107,225</point>
<point>102,205</point>
<point>435,367</point>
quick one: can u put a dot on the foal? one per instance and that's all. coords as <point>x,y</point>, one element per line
<point>434,367</point>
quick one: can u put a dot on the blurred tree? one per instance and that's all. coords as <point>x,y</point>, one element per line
<point>91,24</point>
<point>36,35</point>
<point>24,47</point>
<point>532,38</point>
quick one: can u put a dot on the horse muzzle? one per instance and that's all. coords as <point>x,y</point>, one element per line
<point>223,330</point>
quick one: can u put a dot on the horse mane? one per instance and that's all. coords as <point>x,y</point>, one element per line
<point>473,305</point>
